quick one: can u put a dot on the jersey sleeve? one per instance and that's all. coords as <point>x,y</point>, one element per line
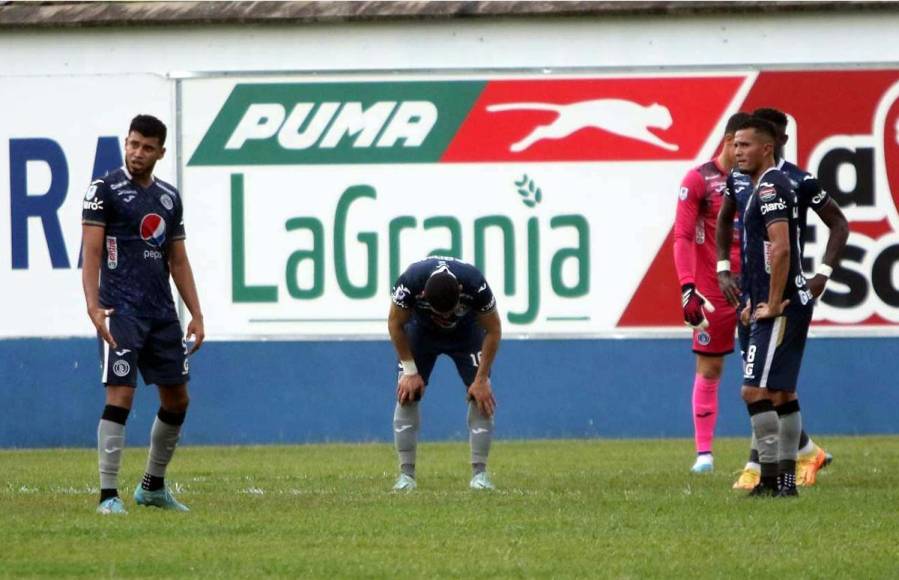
<point>810,191</point>
<point>179,233</point>
<point>484,300</point>
<point>773,203</point>
<point>95,205</point>
<point>690,197</point>
<point>402,294</point>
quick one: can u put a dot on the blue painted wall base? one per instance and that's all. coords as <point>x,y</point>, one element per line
<point>296,392</point>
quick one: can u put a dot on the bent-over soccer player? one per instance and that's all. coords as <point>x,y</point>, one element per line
<point>443,306</point>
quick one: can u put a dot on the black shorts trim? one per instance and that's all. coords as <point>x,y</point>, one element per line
<point>723,353</point>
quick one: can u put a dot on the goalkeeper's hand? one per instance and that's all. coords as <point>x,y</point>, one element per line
<point>695,305</point>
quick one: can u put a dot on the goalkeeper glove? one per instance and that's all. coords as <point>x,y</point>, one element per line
<point>695,305</point>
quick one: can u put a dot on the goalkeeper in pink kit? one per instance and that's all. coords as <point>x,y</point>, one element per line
<point>706,310</point>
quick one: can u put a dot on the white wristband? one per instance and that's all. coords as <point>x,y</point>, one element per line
<point>723,265</point>
<point>824,270</point>
<point>409,367</point>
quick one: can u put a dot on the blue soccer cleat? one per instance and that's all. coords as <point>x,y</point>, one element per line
<point>111,506</point>
<point>162,498</point>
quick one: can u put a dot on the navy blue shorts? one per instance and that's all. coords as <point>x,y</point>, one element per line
<point>463,346</point>
<point>774,354</point>
<point>156,347</point>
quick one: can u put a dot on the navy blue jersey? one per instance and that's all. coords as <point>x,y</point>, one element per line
<point>773,200</point>
<point>140,225</point>
<point>808,193</point>
<point>475,298</point>
<point>739,188</point>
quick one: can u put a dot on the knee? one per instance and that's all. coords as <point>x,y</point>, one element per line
<point>752,394</point>
<point>176,402</point>
<point>120,397</point>
<point>710,368</point>
<point>781,398</point>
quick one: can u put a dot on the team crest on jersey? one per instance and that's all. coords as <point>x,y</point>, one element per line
<point>152,230</point>
<point>683,193</point>
<point>703,338</point>
<point>166,201</point>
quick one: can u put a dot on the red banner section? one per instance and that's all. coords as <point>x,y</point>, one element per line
<point>624,119</point>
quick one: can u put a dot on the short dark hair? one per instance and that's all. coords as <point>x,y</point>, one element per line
<point>734,121</point>
<point>760,126</point>
<point>149,126</point>
<point>776,117</point>
<point>442,290</point>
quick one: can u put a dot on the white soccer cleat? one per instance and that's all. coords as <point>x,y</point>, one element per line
<point>404,483</point>
<point>704,464</point>
<point>481,482</point>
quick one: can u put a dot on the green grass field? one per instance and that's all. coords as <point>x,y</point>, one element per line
<point>564,509</point>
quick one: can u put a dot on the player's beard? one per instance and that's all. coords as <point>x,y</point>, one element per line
<point>145,172</point>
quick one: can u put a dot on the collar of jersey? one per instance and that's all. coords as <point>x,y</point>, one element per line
<point>762,176</point>
<point>131,179</point>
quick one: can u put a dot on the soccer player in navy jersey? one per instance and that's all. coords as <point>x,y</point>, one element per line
<point>444,306</point>
<point>812,457</point>
<point>133,230</point>
<point>779,307</point>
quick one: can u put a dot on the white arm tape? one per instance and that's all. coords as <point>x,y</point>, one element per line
<point>723,266</point>
<point>409,367</point>
<point>824,270</point>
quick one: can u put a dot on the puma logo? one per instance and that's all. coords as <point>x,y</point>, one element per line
<point>704,415</point>
<point>616,116</point>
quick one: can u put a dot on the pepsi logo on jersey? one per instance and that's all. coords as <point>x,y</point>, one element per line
<point>152,231</point>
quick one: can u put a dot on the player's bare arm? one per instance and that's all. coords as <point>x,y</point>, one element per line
<point>410,385</point>
<point>182,274</point>
<point>724,231</point>
<point>779,236</point>
<point>838,227</point>
<point>90,279</point>
<point>481,390</point>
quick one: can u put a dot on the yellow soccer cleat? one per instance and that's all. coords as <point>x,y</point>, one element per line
<point>808,466</point>
<point>749,478</point>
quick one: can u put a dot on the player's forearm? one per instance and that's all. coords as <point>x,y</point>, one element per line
<point>836,241</point>
<point>684,260</point>
<point>400,340</point>
<point>780,269</point>
<point>183,276</point>
<point>724,233</point>
<point>90,278</point>
<point>488,353</point>
<point>724,229</point>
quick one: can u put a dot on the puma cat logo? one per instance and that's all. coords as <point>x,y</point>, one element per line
<point>617,116</point>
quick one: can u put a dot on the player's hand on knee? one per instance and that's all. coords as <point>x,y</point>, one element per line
<point>695,305</point>
<point>728,285</point>
<point>482,393</point>
<point>197,332</point>
<point>409,388</point>
<point>98,317</point>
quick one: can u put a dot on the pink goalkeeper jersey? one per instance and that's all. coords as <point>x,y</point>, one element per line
<point>699,200</point>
